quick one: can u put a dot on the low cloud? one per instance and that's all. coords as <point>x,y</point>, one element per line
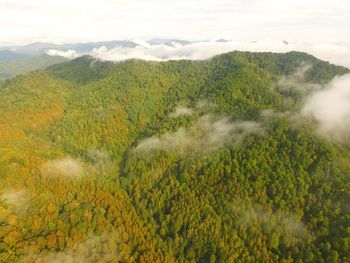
<point>183,109</point>
<point>67,167</point>
<point>180,111</point>
<point>67,54</point>
<point>98,157</point>
<point>99,161</point>
<point>13,196</point>
<point>273,222</point>
<point>337,53</point>
<point>206,134</point>
<point>163,52</point>
<point>203,104</point>
<point>296,81</point>
<point>330,107</point>
<point>15,199</point>
<point>91,249</point>
<point>12,202</point>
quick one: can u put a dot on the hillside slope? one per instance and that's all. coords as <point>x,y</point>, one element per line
<point>178,161</point>
<point>20,65</point>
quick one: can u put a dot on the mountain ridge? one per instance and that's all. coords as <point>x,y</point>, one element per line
<point>143,161</point>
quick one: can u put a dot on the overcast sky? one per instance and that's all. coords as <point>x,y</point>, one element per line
<point>25,21</point>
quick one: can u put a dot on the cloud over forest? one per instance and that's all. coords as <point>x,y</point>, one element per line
<point>337,53</point>
<point>66,166</point>
<point>206,134</point>
<point>330,107</point>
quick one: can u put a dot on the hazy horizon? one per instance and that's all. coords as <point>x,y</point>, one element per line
<point>160,49</point>
<point>64,21</point>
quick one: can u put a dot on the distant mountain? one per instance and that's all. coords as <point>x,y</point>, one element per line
<point>6,55</point>
<point>11,68</point>
<point>87,47</point>
<point>221,40</point>
<point>38,48</point>
<point>159,41</point>
<point>42,48</point>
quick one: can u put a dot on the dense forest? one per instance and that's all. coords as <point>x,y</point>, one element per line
<point>177,161</point>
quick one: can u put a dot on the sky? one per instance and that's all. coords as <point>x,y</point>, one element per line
<point>27,21</point>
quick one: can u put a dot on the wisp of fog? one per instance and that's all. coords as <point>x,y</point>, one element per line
<point>330,107</point>
<point>337,53</point>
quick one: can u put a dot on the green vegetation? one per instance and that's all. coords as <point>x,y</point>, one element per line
<point>178,161</point>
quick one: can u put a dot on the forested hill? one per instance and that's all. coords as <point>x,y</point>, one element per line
<point>177,161</point>
<point>17,63</point>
